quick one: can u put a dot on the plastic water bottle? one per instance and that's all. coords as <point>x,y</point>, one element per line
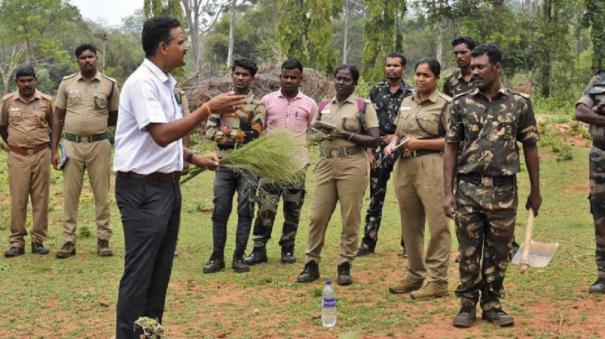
<point>328,305</point>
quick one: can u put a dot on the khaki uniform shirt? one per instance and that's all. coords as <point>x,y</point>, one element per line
<point>423,120</point>
<point>87,104</point>
<point>27,121</point>
<point>225,130</point>
<point>455,84</point>
<point>593,95</point>
<point>346,116</point>
<point>488,131</point>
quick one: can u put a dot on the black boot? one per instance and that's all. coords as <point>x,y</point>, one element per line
<point>287,255</point>
<point>239,266</point>
<point>215,264</point>
<point>344,274</point>
<point>310,273</point>
<point>258,256</point>
<point>598,286</point>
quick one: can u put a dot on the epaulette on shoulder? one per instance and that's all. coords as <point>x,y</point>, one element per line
<point>69,76</point>
<point>525,95</point>
<point>445,97</point>
<point>461,94</point>
<point>7,96</point>
<point>109,78</point>
<point>46,96</point>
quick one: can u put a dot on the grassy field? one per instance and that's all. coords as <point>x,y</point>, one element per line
<point>46,297</point>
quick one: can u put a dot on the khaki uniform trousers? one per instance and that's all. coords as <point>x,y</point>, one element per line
<point>29,175</point>
<point>419,190</point>
<point>344,180</point>
<point>94,157</point>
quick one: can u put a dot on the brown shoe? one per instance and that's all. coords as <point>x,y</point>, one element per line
<point>68,250</point>
<point>103,249</point>
<point>406,286</point>
<point>14,251</point>
<point>432,289</point>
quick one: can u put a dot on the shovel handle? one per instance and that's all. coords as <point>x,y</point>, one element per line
<point>528,234</point>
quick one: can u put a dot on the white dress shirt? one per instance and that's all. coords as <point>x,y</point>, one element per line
<point>147,97</point>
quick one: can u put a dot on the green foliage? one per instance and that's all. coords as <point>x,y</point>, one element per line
<point>594,16</point>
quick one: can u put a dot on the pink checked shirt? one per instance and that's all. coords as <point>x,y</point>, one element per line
<point>295,115</point>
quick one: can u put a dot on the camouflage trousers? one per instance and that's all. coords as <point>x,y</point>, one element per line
<point>379,177</point>
<point>485,224</point>
<point>269,194</point>
<point>597,204</point>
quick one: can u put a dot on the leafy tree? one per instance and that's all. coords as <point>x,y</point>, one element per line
<point>595,18</point>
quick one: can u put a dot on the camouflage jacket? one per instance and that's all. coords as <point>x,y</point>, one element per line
<point>594,95</point>
<point>387,105</point>
<point>455,84</point>
<point>488,131</point>
<point>239,127</point>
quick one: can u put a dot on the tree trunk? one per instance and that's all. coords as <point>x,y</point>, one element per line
<point>546,64</point>
<point>231,33</point>
<point>439,43</point>
<point>345,40</point>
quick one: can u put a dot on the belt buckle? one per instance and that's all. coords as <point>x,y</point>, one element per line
<point>85,139</point>
<point>487,181</point>
<point>29,151</point>
<point>334,153</point>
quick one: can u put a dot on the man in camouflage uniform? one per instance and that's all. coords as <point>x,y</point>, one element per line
<point>591,110</point>
<point>460,80</point>
<point>486,124</point>
<point>229,131</point>
<point>386,97</point>
<point>25,116</point>
<point>86,104</point>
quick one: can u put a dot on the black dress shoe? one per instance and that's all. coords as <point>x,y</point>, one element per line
<point>465,317</point>
<point>310,273</point>
<point>39,249</point>
<point>344,274</point>
<point>598,286</point>
<point>287,255</point>
<point>14,251</point>
<point>68,250</point>
<point>239,266</point>
<point>498,317</point>
<point>258,256</point>
<point>214,265</point>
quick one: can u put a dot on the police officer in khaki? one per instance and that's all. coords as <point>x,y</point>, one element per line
<point>341,175</point>
<point>86,103</point>
<point>418,180</point>
<point>25,116</point>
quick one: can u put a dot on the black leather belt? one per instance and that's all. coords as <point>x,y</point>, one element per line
<point>172,177</point>
<point>88,138</point>
<point>485,180</point>
<point>340,152</point>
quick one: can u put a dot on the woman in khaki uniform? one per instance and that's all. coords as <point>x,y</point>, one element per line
<point>341,175</point>
<point>419,183</point>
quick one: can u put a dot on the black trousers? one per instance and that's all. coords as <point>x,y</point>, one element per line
<point>150,214</point>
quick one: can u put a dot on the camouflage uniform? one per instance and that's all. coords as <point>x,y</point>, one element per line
<point>229,131</point>
<point>593,96</point>
<point>386,105</point>
<point>455,84</point>
<point>486,192</point>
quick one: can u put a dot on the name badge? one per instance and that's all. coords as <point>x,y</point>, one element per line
<point>15,109</point>
<point>325,111</point>
<point>73,92</point>
<point>405,109</point>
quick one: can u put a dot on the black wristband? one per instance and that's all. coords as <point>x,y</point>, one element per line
<point>189,158</point>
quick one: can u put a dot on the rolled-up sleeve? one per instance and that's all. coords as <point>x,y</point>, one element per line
<point>527,132</point>
<point>455,128</point>
<point>146,104</point>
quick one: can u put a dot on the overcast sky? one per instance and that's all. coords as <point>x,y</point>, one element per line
<point>110,12</point>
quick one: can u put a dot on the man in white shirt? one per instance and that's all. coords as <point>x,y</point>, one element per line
<point>149,157</point>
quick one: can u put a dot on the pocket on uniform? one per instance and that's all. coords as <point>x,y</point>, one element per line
<point>41,119</point>
<point>100,102</point>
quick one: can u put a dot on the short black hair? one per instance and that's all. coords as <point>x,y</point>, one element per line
<point>156,30</point>
<point>398,55</point>
<point>352,68</point>
<point>470,43</point>
<point>246,64</point>
<point>433,64</point>
<point>25,70</point>
<point>85,47</point>
<point>492,51</point>
<point>292,64</point>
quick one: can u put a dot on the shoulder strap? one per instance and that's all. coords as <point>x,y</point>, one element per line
<point>361,108</point>
<point>323,104</point>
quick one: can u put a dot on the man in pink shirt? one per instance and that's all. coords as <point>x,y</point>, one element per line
<point>287,109</point>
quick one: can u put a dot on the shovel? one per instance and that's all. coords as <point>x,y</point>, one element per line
<point>533,253</point>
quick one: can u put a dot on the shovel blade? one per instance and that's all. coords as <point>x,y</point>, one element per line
<point>539,256</point>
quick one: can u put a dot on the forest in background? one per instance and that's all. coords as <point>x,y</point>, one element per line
<point>550,46</point>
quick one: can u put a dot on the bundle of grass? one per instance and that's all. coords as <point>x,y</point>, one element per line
<point>151,328</point>
<point>274,156</point>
